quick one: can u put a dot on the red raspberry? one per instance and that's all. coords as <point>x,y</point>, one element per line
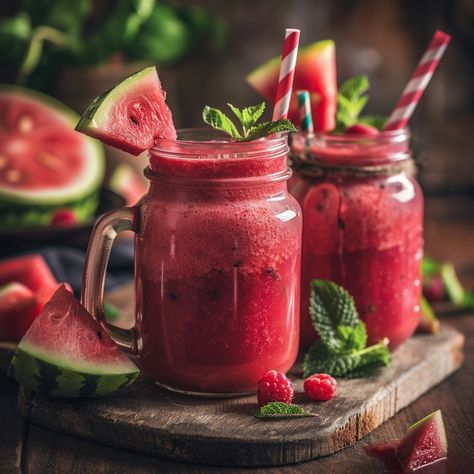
<point>63,217</point>
<point>274,387</point>
<point>320,387</point>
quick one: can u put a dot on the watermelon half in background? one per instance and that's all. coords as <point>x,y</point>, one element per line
<point>315,72</point>
<point>44,164</point>
<point>67,353</point>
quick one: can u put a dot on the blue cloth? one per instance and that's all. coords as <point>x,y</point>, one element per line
<point>67,264</point>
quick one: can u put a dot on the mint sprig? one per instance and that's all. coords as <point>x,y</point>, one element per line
<point>248,117</point>
<point>341,350</point>
<point>281,410</point>
<point>351,99</point>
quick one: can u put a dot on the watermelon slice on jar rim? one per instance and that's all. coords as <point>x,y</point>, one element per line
<point>131,116</point>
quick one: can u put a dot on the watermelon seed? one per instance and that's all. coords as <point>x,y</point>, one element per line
<point>55,318</point>
<point>13,176</point>
<point>134,120</point>
<point>25,124</point>
<point>99,335</point>
<point>47,159</point>
<point>3,162</point>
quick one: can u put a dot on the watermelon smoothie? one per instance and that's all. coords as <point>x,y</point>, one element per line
<point>217,265</point>
<point>363,227</point>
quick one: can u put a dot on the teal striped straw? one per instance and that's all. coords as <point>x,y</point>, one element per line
<point>304,106</point>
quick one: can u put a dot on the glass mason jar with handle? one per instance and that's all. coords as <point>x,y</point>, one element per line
<point>217,265</point>
<point>363,227</point>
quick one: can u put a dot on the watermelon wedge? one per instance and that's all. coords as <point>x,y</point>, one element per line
<point>66,353</point>
<point>125,181</point>
<point>316,72</point>
<point>30,270</point>
<point>17,311</point>
<point>44,163</point>
<point>424,448</point>
<point>131,116</point>
<point>424,443</point>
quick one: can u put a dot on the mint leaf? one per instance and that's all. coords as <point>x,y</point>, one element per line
<point>351,100</point>
<point>377,121</point>
<point>248,117</point>
<point>281,410</point>
<point>332,308</point>
<point>268,128</point>
<point>219,120</point>
<point>341,350</point>
<point>360,363</point>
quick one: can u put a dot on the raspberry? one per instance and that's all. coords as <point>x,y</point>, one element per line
<point>274,387</point>
<point>320,387</point>
<point>63,217</point>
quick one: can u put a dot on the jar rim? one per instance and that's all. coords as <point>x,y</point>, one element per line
<point>204,143</point>
<point>337,149</point>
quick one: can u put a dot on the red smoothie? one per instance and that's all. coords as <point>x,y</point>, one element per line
<point>363,228</point>
<point>217,266</point>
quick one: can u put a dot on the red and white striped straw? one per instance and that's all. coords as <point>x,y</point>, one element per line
<point>287,72</point>
<point>416,86</point>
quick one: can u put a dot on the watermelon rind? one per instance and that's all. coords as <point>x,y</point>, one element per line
<point>83,185</point>
<point>59,378</point>
<point>17,216</point>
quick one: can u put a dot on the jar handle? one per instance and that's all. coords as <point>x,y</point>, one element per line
<point>97,257</point>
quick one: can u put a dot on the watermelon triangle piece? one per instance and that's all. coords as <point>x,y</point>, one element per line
<point>131,116</point>
<point>67,353</point>
<point>315,72</point>
<point>424,443</point>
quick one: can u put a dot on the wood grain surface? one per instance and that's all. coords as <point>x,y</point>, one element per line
<point>224,432</point>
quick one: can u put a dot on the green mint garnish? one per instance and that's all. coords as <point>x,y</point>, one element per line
<point>248,117</point>
<point>351,99</point>
<point>281,410</point>
<point>341,350</point>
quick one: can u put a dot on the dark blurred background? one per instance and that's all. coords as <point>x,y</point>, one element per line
<point>205,48</point>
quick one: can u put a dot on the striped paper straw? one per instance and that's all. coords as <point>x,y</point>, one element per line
<point>287,72</point>
<point>416,86</point>
<point>304,106</point>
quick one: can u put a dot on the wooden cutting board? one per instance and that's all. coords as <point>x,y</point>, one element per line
<point>224,432</point>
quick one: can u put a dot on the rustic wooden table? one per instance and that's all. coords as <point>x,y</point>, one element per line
<point>449,236</point>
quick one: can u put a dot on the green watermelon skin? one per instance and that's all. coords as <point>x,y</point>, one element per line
<point>66,353</point>
<point>56,381</point>
<point>17,216</point>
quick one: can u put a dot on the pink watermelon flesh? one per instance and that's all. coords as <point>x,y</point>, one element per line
<point>315,72</point>
<point>65,331</point>
<point>124,181</point>
<point>42,159</point>
<point>31,270</point>
<point>132,116</point>
<point>361,129</point>
<point>17,311</point>
<point>424,443</point>
<point>424,448</point>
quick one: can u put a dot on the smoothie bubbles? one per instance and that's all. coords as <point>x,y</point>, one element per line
<point>362,207</point>
<point>217,244</point>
